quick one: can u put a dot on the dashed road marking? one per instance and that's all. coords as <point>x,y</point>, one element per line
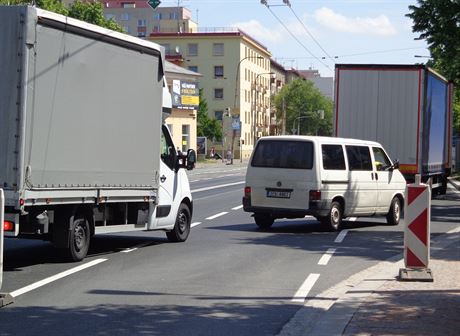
<point>217,186</point>
<point>217,215</point>
<point>237,207</point>
<point>195,224</point>
<point>307,285</point>
<point>326,256</point>
<point>341,236</point>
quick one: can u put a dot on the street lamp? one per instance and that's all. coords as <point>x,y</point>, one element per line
<point>254,119</point>
<point>237,85</point>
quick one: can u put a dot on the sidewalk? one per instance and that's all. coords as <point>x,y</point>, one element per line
<point>374,302</point>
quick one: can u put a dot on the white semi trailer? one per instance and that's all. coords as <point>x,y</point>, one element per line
<point>406,108</point>
<point>83,147</point>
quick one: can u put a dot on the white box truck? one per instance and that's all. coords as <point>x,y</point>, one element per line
<point>406,108</point>
<point>83,147</point>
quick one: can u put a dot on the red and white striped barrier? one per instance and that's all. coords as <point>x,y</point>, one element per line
<point>417,216</point>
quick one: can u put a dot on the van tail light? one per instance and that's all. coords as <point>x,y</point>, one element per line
<point>315,195</point>
<point>8,226</point>
<point>247,192</point>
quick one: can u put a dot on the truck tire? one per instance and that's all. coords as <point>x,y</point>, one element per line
<point>79,238</point>
<point>394,214</point>
<point>181,228</point>
<point>333,221</point>
<point>263,221</point>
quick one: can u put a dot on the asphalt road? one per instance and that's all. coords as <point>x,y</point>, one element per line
<point>229,278</point>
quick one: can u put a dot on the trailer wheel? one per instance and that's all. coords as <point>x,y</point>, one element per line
<point>181,229</point>
<point>79,238</point>
<point>394,214</point>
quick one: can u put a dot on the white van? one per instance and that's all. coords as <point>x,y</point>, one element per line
<point>328,178</point>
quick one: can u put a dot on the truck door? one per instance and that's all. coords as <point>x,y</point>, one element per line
<point>361,196</point>
<point>165,213</point>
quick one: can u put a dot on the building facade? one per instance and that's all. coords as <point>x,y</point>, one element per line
<point>235,71</point>
<point>138,19</point>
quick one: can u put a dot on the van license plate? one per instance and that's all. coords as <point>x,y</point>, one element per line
<point>278,194</point>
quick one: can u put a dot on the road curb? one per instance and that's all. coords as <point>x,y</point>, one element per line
<point>331,311</point>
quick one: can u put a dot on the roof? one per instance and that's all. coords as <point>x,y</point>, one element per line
<point>173,68</point>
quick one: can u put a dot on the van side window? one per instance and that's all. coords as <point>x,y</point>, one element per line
<point>382,162</point>
<point>283,154</point>
<point>333,158</point>
<point>359,158</point>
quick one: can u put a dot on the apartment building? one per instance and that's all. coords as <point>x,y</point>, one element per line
<point>235,71</point>
<point>138,19</point>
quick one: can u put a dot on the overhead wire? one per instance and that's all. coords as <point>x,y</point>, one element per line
<point>295,38</point>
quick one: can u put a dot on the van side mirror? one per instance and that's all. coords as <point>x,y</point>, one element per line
<point>394,166</point>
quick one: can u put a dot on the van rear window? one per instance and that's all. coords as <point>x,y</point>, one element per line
<point>283,154</point>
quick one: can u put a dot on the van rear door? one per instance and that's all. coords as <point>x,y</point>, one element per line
<point>282,173</point>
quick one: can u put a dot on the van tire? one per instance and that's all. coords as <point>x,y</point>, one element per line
<point>333,221</point>
<point>263,221</point>
<point>181,228</point>
<point>79,238</point>
<point>394,214</point>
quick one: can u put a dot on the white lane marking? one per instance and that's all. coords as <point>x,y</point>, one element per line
<point>217,186</point>
<point>55,277</point>
<point>341,236</point>
<point>237,207</point>
<point>303,291</point>
<point>129,250</point>
<point>326,256</point>
<point>195,224</point>
<point>217,215</point>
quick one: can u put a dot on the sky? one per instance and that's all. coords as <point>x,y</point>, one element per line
<point>319,34</point>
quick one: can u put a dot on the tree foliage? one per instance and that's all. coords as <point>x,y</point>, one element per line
<point>302,102</point>
<point>438,22</point>
<point>89,11</point>
<point>206,126</point>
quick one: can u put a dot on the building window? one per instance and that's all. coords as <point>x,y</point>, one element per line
<point>142,23</point>
<point>193,68</point>
<point>124,17</point>
<point>219,93</point>
<point>127,30</point>
<point>157,16</point>
<point>218,115</point>
<point>173,16</point>
<point>109,16</point>
<point>192,49</point>
<point>141,34</point>
<point>219,71</point>
<point>218,49</point>
<point>185,138</point>
<point>167,47</point>
<point>128,5</point>
<point>156,28</point>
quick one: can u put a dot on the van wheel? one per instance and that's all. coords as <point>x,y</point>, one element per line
<point>263,221</point>
<point>181,229</point>
<point>394,214</point>
<point>333,221</point>
<point>79,239</point>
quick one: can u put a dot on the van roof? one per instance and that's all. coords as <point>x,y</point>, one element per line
<point>321,139</point>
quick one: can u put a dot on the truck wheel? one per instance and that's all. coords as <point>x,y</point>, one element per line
<point>79,239</point>
<point>333,221</point>
<point>394,214</point>
<point>181,229</point>
<point>263,221</point>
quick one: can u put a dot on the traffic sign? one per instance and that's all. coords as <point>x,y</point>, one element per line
<point>154,3</point>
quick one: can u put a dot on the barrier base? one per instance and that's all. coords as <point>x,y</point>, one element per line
<point>415,274</point>
<point>5,299</point>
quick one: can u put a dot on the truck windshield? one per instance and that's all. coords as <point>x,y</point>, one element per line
<point>283,154</point>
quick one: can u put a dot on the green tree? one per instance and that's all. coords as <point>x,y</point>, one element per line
<point>89,11</point>
<point>302,102</point>
<point>438,22</point>
<point>208,127</point>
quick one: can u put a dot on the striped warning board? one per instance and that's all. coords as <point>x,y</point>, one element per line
<point>417,216</point>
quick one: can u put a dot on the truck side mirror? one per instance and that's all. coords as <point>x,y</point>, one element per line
<point>191,159</point>
<point>394,166</point>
